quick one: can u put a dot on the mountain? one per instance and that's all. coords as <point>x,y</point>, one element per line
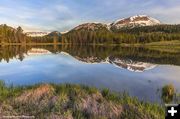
<point>36,34</point>
<point>54,33</point>
<point>41,34</point>
<point>135,29</point>
<point>134,21</point>
<point>90,27</point>
<point>131,22</point>
<point>85,33</point>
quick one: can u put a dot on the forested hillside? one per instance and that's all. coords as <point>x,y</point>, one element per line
<point>145,34</point>
<point>95,33</point>
<point>163,28</point>
<point>52,37</point>
<point>12,35</point>
<point>87,33</point>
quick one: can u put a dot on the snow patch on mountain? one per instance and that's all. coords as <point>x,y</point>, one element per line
<point>91,26</point>
<point>138,20</point>
<point>131,65</point>
<point>38,51</point>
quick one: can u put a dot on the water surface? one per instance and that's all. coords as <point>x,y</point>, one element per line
<point>139,71</point>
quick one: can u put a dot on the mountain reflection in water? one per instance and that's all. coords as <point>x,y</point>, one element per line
<point>95,54</point>
<point>139,71</point>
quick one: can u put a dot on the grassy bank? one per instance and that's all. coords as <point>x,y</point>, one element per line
<point>73,101</point>
<point>165,46</point>
<point>165,43</point>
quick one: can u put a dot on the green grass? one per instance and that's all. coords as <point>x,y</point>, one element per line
<point>8,92</point>
<point>169,94</point>
<point>167,43</point>
<point>164,46</point>
<point>74,101</point>
<point>141,107</point>
<point>168,49</point>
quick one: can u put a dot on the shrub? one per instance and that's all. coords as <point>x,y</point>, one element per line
<point>168,92</point>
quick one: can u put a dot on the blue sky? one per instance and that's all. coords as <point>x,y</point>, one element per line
<point>62,15</point>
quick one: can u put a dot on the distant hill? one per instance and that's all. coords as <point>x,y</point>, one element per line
<point>9,34</point>
<point>54,33</point>
<point>90,27</point>
<point>85,33</point>
<point>36,34</point>
<point>52,37</point>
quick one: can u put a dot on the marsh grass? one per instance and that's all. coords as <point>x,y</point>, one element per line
<point>74,101</point>
<point>132,103</point>
<point>169,94</point>
<point>9,92</point>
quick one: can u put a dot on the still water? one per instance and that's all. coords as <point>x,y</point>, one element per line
<point>140,72</point>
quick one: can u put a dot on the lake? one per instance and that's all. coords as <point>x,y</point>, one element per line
<point>141,72</point>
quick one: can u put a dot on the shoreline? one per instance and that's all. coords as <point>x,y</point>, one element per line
<point>162,43</point>
<point>74,101</point>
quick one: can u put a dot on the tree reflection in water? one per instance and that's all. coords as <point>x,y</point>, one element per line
<point>95,53</point>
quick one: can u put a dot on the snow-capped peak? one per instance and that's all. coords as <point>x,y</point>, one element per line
<point>138,20</point>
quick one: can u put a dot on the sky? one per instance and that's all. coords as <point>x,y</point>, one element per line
<point>63,15</point>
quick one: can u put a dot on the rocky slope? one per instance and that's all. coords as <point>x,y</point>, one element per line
<point>90,26</point>
<point>134,21</point>
<point>54,33</point>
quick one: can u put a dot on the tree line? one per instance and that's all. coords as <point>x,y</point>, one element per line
<point>96,53</point>
<point>11,35</point>
<point>145,34</point>
<point>101,35</point>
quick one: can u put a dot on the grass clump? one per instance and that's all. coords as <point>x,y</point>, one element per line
<point>168,92</point>
<point>134,108</point>
<point>74,102</point>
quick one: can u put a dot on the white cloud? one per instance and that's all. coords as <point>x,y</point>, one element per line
<point>64,15</point>
<point>167,15</point>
